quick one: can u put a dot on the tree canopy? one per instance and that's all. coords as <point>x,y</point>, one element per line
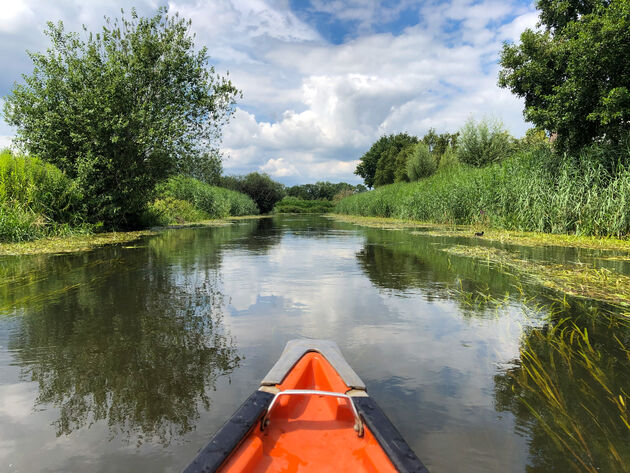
<point>378,164</point>
<point>122,109</point>
<point>574,73</point>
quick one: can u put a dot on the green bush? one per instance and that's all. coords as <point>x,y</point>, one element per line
<point>18,223</point>
<point>449,159</point>
<point>121,109</point>
<point>215,202</point>
<point>39,187</point>
<point>263,190</point>
<point>420,163</point>
<point>533,191</point>
<point>295,205</point>
<point>483,143</point>
<point>168,211</point>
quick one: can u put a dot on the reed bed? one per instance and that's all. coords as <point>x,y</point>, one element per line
<point>536,190</point>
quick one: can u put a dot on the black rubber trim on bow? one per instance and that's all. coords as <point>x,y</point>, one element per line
<point>396,448</point>
<point>226,440</point>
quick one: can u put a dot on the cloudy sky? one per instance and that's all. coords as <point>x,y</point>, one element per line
<point>321,79</point>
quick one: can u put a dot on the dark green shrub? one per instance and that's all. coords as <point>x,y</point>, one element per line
<point>483,143</point>
<point>420,163</point>
<point>263,190</point>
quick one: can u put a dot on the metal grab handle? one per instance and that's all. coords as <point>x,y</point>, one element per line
<point>358,423</point>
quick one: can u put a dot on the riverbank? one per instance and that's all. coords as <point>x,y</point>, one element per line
<point>491,234</point>
<point>535,191</point>
<point>80,243</point>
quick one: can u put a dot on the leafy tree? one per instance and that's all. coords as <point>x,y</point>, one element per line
<point>574,73</point>
<point>439,143</point>
<point>392,162</point>
<point>263,190</point>
<point>378,164</point>
<point>448,159</point>
<point>483,143</point>
<point>122,109</point>
<point>421,162</point>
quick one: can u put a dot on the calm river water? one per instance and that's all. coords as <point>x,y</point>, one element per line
<point>128,358</point>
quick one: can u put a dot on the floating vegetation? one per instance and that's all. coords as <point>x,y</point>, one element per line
<point>578,280</point>
<point>501,236</point>
<point>78,243</point>
<point>71,244</point>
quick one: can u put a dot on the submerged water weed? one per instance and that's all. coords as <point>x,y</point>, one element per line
<point>575,390</point>
<point>576,280</point>
<point>569,383</point>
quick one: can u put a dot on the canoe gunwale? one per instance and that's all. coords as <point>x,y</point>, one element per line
<point>232,434</point>
<point>252,412</point>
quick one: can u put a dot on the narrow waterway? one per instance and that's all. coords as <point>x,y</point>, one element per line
<point>128,358</point>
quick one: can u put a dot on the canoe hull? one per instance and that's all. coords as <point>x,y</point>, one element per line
<point>320,421</point>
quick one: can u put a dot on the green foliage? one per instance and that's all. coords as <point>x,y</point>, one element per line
<point>420,163</point>
<point>381,159</point>
<point>18,223</point>
<point>391,166</point>
<point>534,191</point>
<point>214,202</point>
<point>322,190</point>
<point>263,190</point>
<point>295,205</point>
<point>39,187</point>
<point>36,200</point>
<point>574,74</point>
<point>169,211</point>
<point>206,167</point>
<point>483,143</point>
<point>439,143</point>
<point>121,109</point>
<point>449,159</point>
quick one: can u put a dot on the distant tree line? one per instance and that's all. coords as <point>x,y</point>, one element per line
<point>324,190</point>
<point>266,192</point>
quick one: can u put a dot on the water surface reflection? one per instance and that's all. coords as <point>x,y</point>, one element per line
<point>128,358</point>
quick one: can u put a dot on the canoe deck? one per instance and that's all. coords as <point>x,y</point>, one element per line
<point>310,433</point>
<point>311,414</point>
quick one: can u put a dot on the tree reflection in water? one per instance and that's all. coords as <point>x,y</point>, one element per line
<point>139,348</point>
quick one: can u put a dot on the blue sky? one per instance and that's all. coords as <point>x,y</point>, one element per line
<point>322,79</point>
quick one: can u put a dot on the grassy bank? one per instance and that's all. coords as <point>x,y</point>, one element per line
<point>184,199</point>
<point>301,206</point>
<point>530,191</point>
<point>38,201</point>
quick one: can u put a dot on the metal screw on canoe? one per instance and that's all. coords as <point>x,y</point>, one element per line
<point>358,423</point>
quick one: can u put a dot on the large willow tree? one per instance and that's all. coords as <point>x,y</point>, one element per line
<point>121,109</point>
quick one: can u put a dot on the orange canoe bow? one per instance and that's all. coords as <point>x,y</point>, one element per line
<point>312,413</point>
